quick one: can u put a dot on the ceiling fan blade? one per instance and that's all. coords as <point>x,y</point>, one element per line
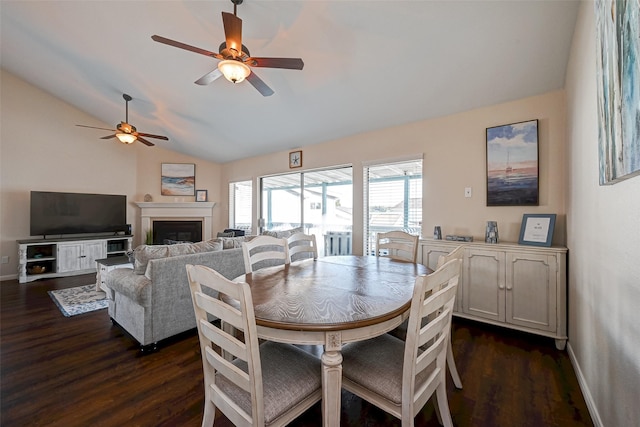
<point>145,142</point>
<point>233,32</point>
<point>288,63</point>
<point>150,135</point>
<point>208,78</point>
<point>93,127</point>
<point>185,46</point>
<point>109,137</point>
<point>259,84</point>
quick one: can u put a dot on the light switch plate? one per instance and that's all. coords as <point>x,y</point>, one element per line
<point>467,192</point>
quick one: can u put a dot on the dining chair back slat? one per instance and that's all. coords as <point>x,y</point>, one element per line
<point>265,251</point>
<point>397,245</point>
<point>302,246</point>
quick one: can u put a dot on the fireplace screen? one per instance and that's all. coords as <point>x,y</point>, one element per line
<point>167,232</point>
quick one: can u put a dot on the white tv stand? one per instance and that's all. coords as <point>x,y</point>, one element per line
<point>45,258</point>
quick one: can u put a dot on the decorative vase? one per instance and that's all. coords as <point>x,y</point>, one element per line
<point>491,235</point>
<point>437,233</point>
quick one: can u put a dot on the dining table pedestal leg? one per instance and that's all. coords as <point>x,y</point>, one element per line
<point>331,379</point>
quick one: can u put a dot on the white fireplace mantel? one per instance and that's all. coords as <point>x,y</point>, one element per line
<point>187,211</point>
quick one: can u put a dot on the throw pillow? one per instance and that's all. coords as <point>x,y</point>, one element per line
<point>234,242</point>
<point>174,242</point>
<point>143,253</point>
<point>283,234</point>
<point>208,246</point>
<point>226,234</point>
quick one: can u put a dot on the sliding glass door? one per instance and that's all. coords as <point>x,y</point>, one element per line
<point>319,201</point>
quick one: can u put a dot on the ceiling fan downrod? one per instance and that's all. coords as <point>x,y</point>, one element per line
<point>127,98</point>
<point>235,6</point>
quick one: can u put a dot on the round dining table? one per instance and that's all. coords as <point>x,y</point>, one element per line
<point>332,301</point>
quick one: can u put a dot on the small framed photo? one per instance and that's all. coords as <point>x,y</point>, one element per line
<point>295,159</point>
<point>537,229</point>
<point>201,195</point>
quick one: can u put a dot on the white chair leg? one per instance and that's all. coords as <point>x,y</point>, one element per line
<point>209,413</point>
<point>452,366</point>
<point>443,405</point>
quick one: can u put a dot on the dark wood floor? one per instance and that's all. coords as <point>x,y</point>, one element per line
<point>82,371</point>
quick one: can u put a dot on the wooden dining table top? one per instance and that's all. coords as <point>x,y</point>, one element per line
<point>332,293</point>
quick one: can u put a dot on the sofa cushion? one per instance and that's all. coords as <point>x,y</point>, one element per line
<point>280,234</point>
<point>233,242</point>
<point>143,253</point>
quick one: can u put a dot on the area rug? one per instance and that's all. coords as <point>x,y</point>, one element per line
<point>79,300</point>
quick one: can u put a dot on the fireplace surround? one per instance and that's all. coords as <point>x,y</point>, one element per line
<point>179,211</point>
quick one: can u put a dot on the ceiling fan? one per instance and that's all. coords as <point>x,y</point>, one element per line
<point>235,59</point>
<point>126,133</point>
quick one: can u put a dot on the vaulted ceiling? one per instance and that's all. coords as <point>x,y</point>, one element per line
<point>368,65</point>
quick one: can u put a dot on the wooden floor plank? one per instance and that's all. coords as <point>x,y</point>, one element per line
<point>82,370</point>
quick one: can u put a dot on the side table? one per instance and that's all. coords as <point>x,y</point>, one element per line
<point>107,264</point>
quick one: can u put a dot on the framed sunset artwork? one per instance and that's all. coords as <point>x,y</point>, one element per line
<point>512,164</point>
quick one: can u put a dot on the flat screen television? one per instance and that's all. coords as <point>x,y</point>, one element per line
<point>54,213</point>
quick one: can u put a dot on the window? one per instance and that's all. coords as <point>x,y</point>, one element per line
<point>240,205</point>
<point>319,201</point>
<point>392,199</point>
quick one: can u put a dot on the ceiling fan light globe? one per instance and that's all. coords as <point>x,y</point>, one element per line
<point>126,138</point>
<point>234,71</point>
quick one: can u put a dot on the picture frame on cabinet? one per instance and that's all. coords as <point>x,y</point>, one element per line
<point>537,229</point>
<point>201,195</point>
<point>512,164</point>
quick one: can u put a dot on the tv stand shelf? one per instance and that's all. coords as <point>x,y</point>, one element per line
<point>44,258</point>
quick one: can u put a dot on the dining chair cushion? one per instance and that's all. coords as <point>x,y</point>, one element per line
<point>281,363</point>
<point>367,364</point>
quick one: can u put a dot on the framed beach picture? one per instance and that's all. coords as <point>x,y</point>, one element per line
<point>618,73</point>
<point>512,164</point>
<point>178,179</point>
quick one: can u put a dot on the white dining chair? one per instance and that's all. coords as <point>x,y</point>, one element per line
<point>398,245</point>
<point>265,251</point>
<point>263,385</point>
<point>399,376</point>
<point>302,246</point>
<point>457,253</point>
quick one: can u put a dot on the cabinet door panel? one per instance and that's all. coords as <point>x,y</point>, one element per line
<point>483,292</point>
<point>69,257</point>
<point>91,252</point>
<point>531,291</point>
<point>430,256</point>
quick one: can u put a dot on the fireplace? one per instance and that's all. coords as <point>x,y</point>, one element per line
<point>178,213</point>
<point>180,231</point>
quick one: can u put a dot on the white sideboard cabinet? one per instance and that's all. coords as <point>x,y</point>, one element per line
<point>42,258</point>
<point>506,284</point>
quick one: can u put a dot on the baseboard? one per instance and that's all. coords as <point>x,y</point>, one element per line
<point>9,277</point>
<point>591,406</point>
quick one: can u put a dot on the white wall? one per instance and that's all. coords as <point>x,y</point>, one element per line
<point>603,229</point>
<point>41,148</point>
<point>454,150</point>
